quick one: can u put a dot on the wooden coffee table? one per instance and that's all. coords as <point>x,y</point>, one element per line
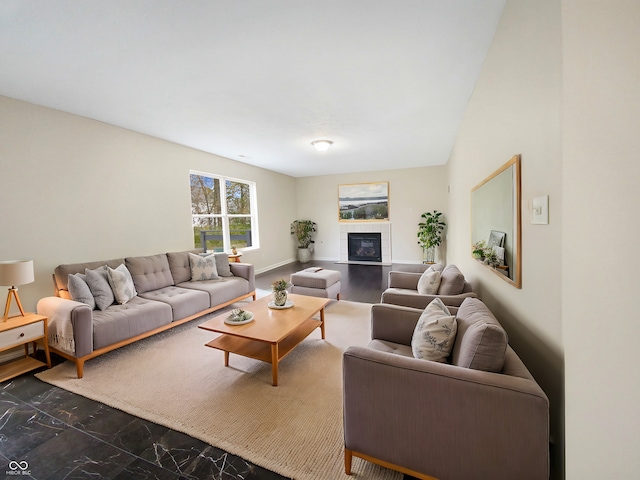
<point>273,332</point>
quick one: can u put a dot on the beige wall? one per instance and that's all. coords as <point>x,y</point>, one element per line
<point>601,237</point>
<point>516,109</point>
<point>412,192</point>
<point>73,190</point>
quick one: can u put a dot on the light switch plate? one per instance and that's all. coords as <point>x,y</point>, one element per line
<point>540,210</point>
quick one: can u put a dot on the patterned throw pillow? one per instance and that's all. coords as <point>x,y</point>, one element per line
<point>203,268</point>
<point>121,283</point>
<point>100,288</point>
<point>435,333</point>
<point>80,291</point>
<point>429,282</point>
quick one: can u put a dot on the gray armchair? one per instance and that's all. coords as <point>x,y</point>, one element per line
<point>445,420</point>
<point>403,288</point>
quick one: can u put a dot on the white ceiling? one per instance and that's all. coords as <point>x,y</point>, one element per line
<point>257,81</point>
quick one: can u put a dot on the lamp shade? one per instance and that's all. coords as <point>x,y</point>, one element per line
<point>16,272</point>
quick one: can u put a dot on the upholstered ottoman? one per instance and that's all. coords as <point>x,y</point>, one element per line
<point>316,282</point>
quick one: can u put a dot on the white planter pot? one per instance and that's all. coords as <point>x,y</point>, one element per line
<point>304,255</point>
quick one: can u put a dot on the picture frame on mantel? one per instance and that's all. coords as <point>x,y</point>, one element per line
<point>363,202</point>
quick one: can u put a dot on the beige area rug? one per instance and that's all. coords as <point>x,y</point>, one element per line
<point>294,429</point>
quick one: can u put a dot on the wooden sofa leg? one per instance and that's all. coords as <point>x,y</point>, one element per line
<point>79,368</point>
<point>348,455</point>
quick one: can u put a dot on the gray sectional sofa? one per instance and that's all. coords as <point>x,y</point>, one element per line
<point>165,296</point>
<point>479,414</point>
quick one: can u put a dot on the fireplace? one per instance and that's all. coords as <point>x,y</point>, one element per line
<point>382,228</point>
<point>365,247</point>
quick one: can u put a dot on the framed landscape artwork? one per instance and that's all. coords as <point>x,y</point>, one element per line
<point>363,202</point>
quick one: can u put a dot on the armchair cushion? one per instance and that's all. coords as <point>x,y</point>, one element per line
<point>435,333</point>
<point>481,342</point>
<point>391,347</point>
<point>451,281</point>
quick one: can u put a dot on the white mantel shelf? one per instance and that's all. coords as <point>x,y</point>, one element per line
<point>383,228</point>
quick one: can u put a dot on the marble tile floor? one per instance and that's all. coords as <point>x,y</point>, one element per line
<point>47,433</point>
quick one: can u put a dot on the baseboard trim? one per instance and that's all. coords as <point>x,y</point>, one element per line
<point>275,265</point>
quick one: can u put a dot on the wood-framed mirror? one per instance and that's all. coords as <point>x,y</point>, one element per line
<point>496,221</point>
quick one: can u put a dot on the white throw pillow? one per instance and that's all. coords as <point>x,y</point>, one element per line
<point>121,284</point>
<point>429,282</point>
<point>203,268</point>
<point>435,333</point>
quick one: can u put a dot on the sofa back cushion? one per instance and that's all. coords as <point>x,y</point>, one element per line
<point>180,267</point>
<point>451,281</point>
<point>481,342</point>
<point>149,273</point>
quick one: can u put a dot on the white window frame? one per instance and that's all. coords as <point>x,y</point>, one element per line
<point>224,216</point>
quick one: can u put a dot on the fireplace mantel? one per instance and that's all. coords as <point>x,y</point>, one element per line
<point>365,227</point>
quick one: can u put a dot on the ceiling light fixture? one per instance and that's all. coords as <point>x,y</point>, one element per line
<point>322,145</point>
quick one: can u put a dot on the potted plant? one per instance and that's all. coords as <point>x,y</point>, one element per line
<point>479,249</point>
<point>279,289</point>
<point>430,234</point>
<point>491,257</point>
<point>303,230</point>
<point>485,254</point>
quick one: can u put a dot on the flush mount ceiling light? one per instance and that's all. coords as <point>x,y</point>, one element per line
<point>322,145</point>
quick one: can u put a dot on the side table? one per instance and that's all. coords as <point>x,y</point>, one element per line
<point>235,257</point>
<point>23,330</point>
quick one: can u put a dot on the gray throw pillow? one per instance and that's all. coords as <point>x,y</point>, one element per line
<point>100,288</point>
<point>451,281</point>
<point>80,291</point>
<point>121,283</point>
<point>222,264</point>
<point>481,342</point>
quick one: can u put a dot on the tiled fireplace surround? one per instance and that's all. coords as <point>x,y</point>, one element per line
<point>366,227</point>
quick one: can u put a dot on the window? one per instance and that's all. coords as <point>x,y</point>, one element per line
<point>223,212</point>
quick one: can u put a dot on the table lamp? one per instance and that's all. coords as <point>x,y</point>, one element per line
<point>15,272</point>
